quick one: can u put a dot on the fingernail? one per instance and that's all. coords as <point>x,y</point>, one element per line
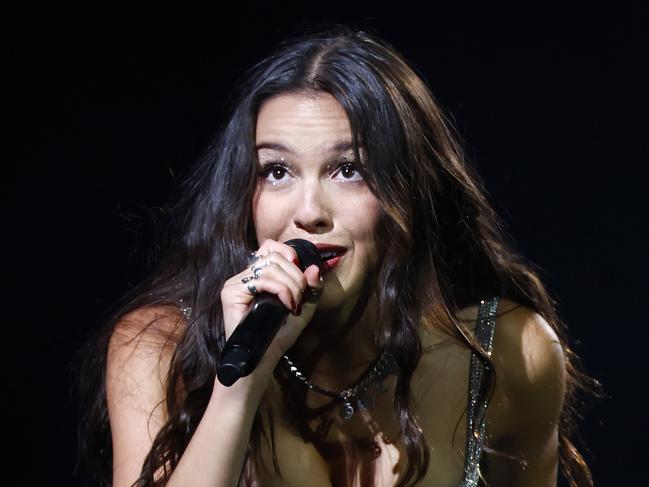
<point>296,262</point>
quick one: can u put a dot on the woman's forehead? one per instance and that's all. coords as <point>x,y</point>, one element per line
<point>294,111</point>
<point>328,147</point>
<point>295,124</point>
<point>305,124</point>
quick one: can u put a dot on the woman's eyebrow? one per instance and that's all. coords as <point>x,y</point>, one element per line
<point>335,147</point>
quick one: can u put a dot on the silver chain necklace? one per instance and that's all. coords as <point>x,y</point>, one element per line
<point>356,395</point>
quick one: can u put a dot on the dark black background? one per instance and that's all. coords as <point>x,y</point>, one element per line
<point>106,103</point>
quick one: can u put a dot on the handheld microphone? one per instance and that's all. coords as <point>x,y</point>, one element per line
<point>267,313</point>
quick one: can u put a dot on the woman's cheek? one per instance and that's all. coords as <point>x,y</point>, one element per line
<point>267,216</point>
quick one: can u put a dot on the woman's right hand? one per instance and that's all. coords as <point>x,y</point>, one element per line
<point>281,276</point>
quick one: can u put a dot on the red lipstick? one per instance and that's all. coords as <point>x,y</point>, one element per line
<point>331,255</point>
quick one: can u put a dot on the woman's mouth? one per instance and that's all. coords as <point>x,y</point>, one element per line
<point>331,263</point>
<point>331,255</point>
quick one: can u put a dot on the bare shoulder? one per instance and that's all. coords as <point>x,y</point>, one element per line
<point>530,372</point>
<point>139,354</point>
<point>141,347</point>
<point>147,330</point>
<point>523,414</point>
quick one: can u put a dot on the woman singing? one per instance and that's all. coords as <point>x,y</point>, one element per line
<point>424,350</point>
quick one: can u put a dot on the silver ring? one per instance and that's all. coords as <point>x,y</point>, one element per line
<point>255,266</point>
<point>247,279</point>
<point>256,272</point>
<point>251,287</point>
<point>254,257</point>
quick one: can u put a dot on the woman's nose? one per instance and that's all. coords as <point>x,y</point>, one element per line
<point>312,211</point>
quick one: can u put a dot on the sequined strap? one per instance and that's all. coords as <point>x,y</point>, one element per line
<point>484,333</point>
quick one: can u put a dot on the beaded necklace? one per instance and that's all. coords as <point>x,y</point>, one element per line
<point>355,397</point>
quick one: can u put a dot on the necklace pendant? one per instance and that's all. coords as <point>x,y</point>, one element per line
<point>347,411</point>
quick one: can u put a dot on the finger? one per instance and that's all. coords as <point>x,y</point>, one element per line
<point>295,323</point>
<point>315,284</point>
<point>269,246</point>
<point>274,286</point>
<point>287,266</point>
<point>313,277</point>
<point>272,279</point>
<point>309,303</point>
<point>278,267</point>
<point>294,280</point>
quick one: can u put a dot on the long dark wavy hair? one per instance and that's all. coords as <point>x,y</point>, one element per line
<point>442,247</point>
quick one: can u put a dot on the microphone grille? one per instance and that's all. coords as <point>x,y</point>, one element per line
<point>307,253</point>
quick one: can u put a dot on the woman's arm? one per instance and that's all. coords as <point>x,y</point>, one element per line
<point>216,452</point>
<point>526,408</point>
<point>139,353</point>
<point>138,361</point>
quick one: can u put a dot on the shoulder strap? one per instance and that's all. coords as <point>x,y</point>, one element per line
<point>486,324</point>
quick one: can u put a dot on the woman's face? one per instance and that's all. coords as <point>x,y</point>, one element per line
<point>309,187</point>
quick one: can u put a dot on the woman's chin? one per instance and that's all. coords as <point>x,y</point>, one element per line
<point>335,296</point>
<point>329,301</point>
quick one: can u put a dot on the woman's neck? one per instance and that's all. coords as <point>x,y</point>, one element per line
<point>339,344</point>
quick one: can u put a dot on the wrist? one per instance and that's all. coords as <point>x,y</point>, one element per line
<point>249,388</point>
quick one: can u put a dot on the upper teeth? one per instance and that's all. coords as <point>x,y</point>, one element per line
<point>328,254</point>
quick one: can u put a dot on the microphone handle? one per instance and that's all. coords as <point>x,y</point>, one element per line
<point>251,338</point>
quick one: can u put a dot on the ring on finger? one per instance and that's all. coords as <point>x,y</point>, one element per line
<point>255,266</point>
<point>256,274</point>
<point>247,279</point>
<point>254,257</point>
<point>251,287</point>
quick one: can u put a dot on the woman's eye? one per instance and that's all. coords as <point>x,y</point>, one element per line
<point>349,172</point>
<point>273,172</point>
<point>278,173</point>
